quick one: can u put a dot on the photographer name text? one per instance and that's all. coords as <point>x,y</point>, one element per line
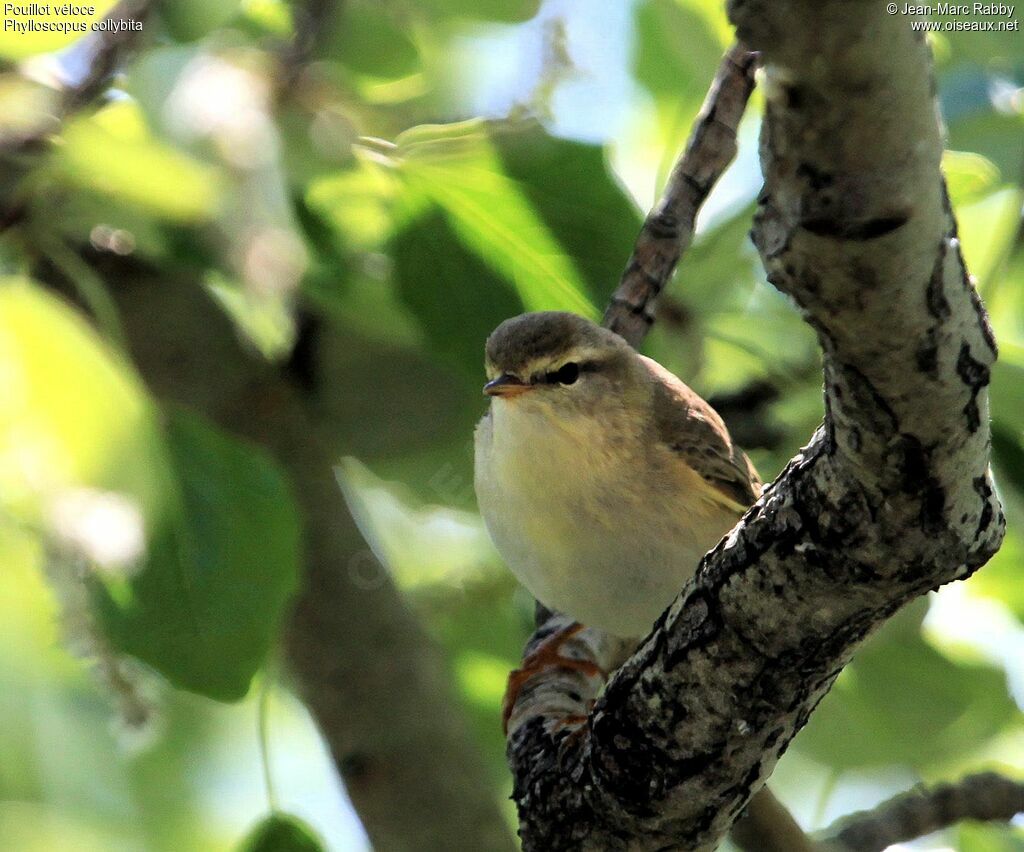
<point>984,10</point>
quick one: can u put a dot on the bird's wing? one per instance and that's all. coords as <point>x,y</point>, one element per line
<point>695,432</point>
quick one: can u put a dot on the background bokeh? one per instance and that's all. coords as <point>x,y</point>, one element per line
<point>426,170</point>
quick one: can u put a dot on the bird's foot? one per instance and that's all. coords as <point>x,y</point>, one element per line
<point>546,656</point>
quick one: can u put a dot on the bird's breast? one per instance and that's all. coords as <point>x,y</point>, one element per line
<point>587,520</point>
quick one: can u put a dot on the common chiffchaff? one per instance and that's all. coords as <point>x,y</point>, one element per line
<point>601,477</point>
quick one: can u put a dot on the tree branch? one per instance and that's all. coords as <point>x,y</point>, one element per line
<point>984,797</point>
<point>566,696</point>
<point>668,229</point>
<point>892,496</point>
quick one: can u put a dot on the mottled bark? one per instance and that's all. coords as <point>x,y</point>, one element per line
<point>891,497</point>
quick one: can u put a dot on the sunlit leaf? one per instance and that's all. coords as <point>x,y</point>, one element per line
<point>274,16</point>
<point>74,418</point>
<point>968,175</point>
<point>987,226</point>
<point>208,604</point>
<point>458,168</point>
<point>422,546</point>
<point>428,256</point>
<point>111,153</point>
<point>26,108</point>
<point>574,193</point>
<point>42,827</point>
<point>989,837</point>
<point>357,202</point>
<point>264,319</point>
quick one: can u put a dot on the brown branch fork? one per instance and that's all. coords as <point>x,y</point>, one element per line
<point>891,497</point>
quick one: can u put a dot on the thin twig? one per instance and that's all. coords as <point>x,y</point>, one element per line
<point>986,796</point>
<point>668,229</point>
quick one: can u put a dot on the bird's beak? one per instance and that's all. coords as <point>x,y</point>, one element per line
<point>505,385</point>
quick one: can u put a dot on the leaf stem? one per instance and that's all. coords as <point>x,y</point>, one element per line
<point>263,730</point>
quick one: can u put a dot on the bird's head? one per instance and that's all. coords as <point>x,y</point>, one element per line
<point>558,362</point>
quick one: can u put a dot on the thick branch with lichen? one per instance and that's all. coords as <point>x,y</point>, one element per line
<point>891,498</point>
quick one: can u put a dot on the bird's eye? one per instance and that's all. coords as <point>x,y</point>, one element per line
<point>566,374</point>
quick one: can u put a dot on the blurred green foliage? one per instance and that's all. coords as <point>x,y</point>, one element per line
<point>281,833</point>
<point>385,187</point>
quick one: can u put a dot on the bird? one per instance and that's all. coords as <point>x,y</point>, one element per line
<point>601,478</point>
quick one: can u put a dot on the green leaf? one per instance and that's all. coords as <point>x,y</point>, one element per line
<point>999,579</point>
<point>1008,456</point>
<point>677,48</point>
<point>356,202</point>
<point>75,419</point>
<point>901,701</point>
<point>1007,390</point>
<point>269,16</point>
<point>282,833</point>
<point>458,168</point>
<point>988,837</point>
<point>358,38</point>
<point>720,268</point>
<point>980,127</point>
<point>987,228</point>
<point>27,108</point>
<point>188,20</point>
<point>113,153</point>
<point>456,297</point>
<point>969,176</point>
<point>80,446</point>
<point>572,190</point>
<point>207,605</point>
